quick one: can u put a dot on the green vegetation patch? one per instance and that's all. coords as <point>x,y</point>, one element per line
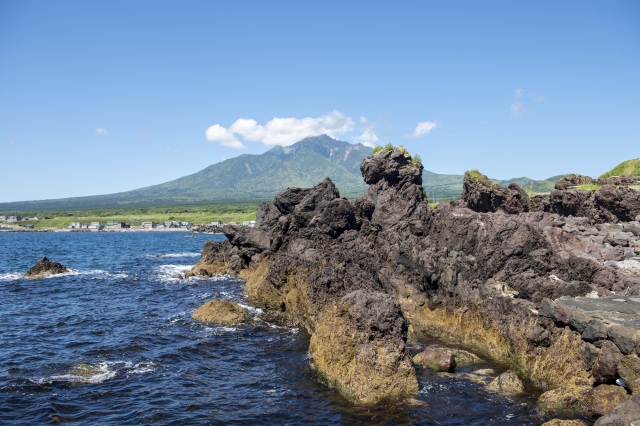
<point>388,148</point>
<point>475,175</point>
<point>588,187</point>
<point>626,168</point>
<point>196,214</point>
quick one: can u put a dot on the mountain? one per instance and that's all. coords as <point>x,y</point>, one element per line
<point>259,177</point>
<point>246,177</point>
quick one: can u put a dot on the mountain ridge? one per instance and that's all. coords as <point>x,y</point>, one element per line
<point>257,177</point>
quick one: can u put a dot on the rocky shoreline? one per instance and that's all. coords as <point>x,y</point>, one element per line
<point>522,281</point>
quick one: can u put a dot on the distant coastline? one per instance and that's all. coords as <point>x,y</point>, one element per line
<point>136,229</point>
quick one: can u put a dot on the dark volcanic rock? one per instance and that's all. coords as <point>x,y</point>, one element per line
<point>395,197</point>
<point>605,369</point>
<point>482,195</point>
<point>500,282</point>
<point>45,268</point>
<point>616,199</point>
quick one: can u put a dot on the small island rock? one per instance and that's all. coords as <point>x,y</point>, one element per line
<point>221,312</point>
<point>45,268</point>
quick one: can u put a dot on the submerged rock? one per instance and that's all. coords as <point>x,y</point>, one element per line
<point>45,268</point>
<point>359,348</point>
<point>221,312</point>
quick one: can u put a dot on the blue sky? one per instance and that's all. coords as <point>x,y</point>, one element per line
<point>106,96</point>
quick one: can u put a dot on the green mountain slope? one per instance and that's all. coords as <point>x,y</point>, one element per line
<point>259,177</point>
<point>626,168</point>
<point>246,177</point>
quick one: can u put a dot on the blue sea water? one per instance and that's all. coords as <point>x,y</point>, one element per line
<point>113,343</point>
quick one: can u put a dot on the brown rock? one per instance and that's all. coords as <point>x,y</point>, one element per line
<point>438,359</point>
<point>508,383</point>
<point>45,268</point>
<point>629,371</point>
<point>605,398</point>
<point>625,414</point>
<point>221,312</point>
<point>358,347</point>
<point>605,368</point>
<point>462,357</point>
<point>574,397</point>
<point>563,422</point>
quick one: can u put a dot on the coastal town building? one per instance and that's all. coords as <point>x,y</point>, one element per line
<point>117,225</point>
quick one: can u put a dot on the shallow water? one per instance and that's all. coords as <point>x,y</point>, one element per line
<point>113,343</point>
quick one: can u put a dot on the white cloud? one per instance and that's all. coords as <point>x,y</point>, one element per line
<point>363,120</point>
<point>279,131</point>
<point>101,131</point>
<point>536,97</point>
<point>424,128</point>
<point>368,137</point>
<point>518,93</point>
<point>217,133</point>
<point>517,109</point>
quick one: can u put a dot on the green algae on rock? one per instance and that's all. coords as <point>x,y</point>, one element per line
<point>221,312</point>
<point>364,356</point>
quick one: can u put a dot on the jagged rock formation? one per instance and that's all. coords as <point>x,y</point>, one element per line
<point>45,268</point>
<point>483,270</point>
<point>482,195</point>
<point>613,199</point>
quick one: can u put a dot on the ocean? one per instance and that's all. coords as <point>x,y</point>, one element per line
<point>113,343</point>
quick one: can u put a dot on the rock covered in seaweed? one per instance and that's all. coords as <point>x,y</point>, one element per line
<point>45,268</point>
<point>507,383</point>
<point>221,312</point>
<point>358,347</point>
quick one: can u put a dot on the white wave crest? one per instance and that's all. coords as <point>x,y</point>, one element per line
<point>167,272</point>
<point>10,276</point>
<point>99,372</point>
<point>82,373</point>
<point>185,254</point>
